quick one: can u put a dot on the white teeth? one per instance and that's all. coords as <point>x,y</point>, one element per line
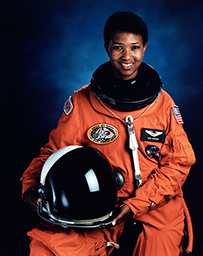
<point>126,65</point>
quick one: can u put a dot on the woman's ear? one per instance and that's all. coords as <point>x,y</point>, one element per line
<point>145,46</point>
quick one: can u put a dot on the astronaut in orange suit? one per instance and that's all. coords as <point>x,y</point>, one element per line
<point>126,115</point>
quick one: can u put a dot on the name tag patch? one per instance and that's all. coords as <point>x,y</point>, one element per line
<point>153,135</point>
<point>102,133</point>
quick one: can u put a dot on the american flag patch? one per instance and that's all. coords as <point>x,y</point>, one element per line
<point>177,114</point>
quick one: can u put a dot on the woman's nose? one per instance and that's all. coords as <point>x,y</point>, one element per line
<point>126,54</point>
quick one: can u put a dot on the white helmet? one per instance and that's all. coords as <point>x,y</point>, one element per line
<point>78,188</point>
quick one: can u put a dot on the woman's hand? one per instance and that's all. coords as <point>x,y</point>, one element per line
<point>124,213</point>
<point>32,198</point>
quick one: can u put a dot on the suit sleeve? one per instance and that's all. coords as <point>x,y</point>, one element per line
<point>67,132</point>
<point>165,182</point>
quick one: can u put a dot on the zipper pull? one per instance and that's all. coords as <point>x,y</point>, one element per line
<point>133,145</point>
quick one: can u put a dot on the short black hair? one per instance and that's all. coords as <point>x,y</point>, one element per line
<point>126,22</point>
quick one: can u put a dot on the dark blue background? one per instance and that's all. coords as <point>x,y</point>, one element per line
<point>49,49</point>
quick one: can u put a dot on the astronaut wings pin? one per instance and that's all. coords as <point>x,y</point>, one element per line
<point>154,133</point>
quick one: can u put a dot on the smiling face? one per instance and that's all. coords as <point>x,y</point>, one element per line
<point>126,52</point>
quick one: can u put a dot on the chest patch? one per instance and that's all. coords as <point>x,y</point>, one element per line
<point>153,135</point>
<point>102,133</point>
<point>152,151</point>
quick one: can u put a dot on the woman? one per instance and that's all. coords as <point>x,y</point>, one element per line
<point>126,115</point>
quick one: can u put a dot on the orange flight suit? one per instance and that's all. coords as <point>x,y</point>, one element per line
<point>158,203</point>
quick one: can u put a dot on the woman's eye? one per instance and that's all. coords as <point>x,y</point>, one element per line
<point>135,47</point>
<point>117,47</point>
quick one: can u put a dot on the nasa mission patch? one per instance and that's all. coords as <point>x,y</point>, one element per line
<point>102,133</point>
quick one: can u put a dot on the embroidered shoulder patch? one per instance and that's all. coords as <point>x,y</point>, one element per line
<point>68,106</point>
<point>177,114</point>
<point>102,133</point>
<point>153,135</point>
